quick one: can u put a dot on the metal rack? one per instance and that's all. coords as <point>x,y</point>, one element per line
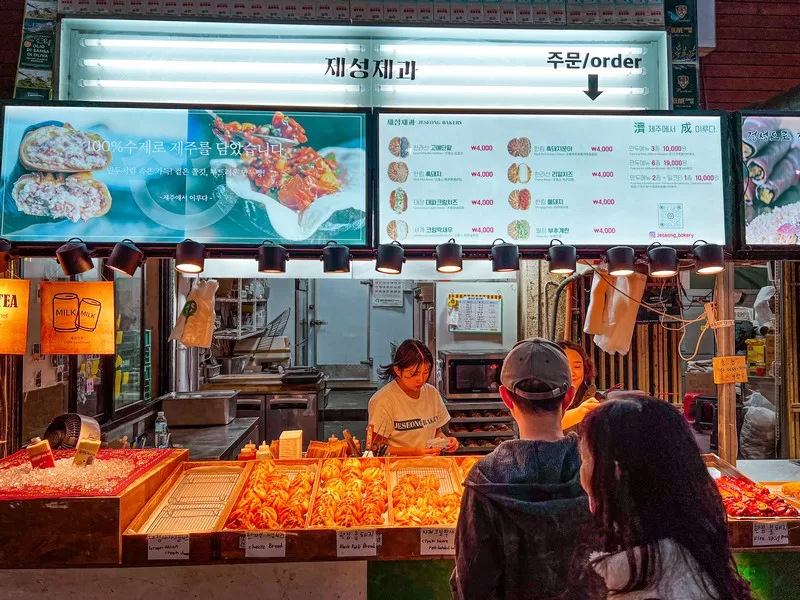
<point>233,307</point>
<point>455,407</point>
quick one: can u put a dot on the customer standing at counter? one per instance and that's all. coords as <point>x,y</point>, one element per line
<point>407,412</point>
<point>656,506</point>
<point>524,518</point>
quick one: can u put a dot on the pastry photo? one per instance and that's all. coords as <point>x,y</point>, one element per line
<point>398,172</point>
<point>63,149</point>
<point>397,230</point>
<point>519,230</point>
<point>398,200</point>
<point>77,197</point>
<point>519,173</point>
<point>400,147</point>
<point>520,199</point>
<point>519,147</point>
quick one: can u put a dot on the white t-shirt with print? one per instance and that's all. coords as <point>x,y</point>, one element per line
<point>405,421</point>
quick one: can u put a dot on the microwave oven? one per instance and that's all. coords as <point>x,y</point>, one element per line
<point>470,375</point>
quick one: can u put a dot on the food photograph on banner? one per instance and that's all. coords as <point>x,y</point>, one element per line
<point>771,173</point>
<point>636,180</point>
<point>162,175</point>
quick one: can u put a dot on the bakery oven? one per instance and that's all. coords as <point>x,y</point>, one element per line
<point>470,376</point>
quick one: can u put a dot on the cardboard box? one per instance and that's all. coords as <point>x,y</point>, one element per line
<point>700,383</point>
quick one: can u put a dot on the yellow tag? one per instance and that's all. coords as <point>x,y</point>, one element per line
<point>730,369</point>
<point>83,368</point>
<point>119,320</point>
<point>95,367</point>
<point>119,338</point>
<point>118,362</point>
<point>125,378</point>
<point>452,302</point>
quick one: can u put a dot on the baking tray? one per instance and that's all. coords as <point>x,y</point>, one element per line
<point>470,420</point>
<point>193,503</point>
<point>483,434</point>
<point>444,468</point>
<point>460,462</point>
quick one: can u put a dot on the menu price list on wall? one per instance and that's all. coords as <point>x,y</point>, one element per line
<point>584,179</point>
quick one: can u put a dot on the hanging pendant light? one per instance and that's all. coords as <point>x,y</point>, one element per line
<point>662,261</point>
<point>448,257</point>
<point>562,258</point>
<point>335,258</point>
<point>271,258</point>
<point>390,258</point>
<point>5,254</point>
<point>709,258</point>
<point>74,257</point>
<point>620,261</point>
<point>505,256</point>
<point>125,258</point>
<point>190,257</point>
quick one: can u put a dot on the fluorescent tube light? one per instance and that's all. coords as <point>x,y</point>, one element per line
<point>201,66</point>
<point>218,45</point>
<point>502,49</point>
<point>226,85</point>
<point>503,89</point>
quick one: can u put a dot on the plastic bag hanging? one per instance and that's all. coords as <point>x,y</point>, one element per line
<point>195,326</point>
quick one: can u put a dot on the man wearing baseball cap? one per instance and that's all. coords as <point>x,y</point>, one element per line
<point>522,532</point>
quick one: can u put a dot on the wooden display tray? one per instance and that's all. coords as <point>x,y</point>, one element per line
<point>232,543</point>
<point>81,531</point>
<point>202,549</point>
<point>742,528</point>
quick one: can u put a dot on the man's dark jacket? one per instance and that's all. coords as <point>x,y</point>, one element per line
<point>524,530</point>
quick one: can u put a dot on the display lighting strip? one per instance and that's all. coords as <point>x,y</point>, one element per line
<point>501,89</point>
<point>219,45</point>
<point>314,68</point>
<point>500,50</point>
<point>227,85</point>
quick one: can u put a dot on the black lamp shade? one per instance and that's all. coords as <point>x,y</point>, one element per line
<point>190,257</point>
<point>562,258</point>
<point>74,257</point>
<point>125,258</point>
<point>448,257</point>
<point>505,257</point>
<point>620,261</point>
<point>662,261</point>
<point>5,253</point>
<point>709,258</point>
<point>272,258</point>
<point>335,258</point>
<point>390,258</point>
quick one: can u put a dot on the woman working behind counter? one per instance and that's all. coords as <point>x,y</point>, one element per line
<point>407,412</point>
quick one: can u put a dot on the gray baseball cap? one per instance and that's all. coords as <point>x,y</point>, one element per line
<point>539,359</point>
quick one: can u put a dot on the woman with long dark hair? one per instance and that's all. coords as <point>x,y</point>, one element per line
<point>583,373</point>
<point>657,509</point>
<point>408,412</point>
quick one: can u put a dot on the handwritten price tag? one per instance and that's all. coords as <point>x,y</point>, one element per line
<point>167,547</point>
<point>770,534</point>
<point>362,542</point>
<point>265,545</point>
<point>730,369</point>
<point>437,542</point>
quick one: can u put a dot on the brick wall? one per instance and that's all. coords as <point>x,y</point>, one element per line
<point>11,12</point>
<point>757,54</point>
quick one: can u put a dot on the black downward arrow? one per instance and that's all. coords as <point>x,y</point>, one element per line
<point>592,92</point>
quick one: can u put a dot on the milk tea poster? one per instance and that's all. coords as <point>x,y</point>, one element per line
<point>78,317</point>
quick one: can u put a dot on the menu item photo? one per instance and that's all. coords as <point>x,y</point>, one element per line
<point>397,230</point>
<point>77,197</point>
<point>519,173</point>
<point>519,230</point>
<point>400,147</point>
<point>520,147</point>
<point>398,172</point>
<point>520,199</point>
<point>398,200</point>
<point>63,149</point>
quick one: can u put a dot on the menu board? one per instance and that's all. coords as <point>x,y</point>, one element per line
<point>162,175</point>
<point>597,180</point>
<point>771,167</point>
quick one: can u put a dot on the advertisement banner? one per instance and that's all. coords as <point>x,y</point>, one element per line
<point>14,299</point>
<point>162,175</point>
<point>77,317</point>
<point>771,170</point>
<point>596,180</point>
<point>37,51</point>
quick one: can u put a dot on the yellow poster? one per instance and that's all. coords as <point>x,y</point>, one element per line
<point>78,317</point>
<point>14,297</point>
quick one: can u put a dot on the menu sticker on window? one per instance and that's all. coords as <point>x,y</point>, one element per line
<point>770,534</point>
<point>167,547</point>
<point>437,541</point>
<point>361,542</point>
<point>14,298</point>
<point>78,317</point>
<point>270,544</point>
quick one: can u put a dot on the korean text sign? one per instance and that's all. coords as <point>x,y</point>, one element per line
<point>77,317</point>
<point>598,180</point>
<point>14,300</point>
<point>162,175</point>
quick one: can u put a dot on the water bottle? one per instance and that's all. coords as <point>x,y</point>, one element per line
<point>162,438</point>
